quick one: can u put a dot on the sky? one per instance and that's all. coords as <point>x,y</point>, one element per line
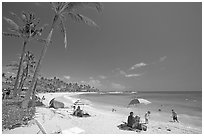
<point>138,46</point>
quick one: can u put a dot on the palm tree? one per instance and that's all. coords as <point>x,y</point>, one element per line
<point>25,29</point>
<point>28,69</point>
<point>28,66</point>
<point>61,9</point>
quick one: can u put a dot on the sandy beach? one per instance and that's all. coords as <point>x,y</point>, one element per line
<point>101,121</point>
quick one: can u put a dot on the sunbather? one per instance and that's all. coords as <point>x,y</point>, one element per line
<point>134,122</point>
<point>137,122</point>
<point>78,112</point>
<point>130,120</point>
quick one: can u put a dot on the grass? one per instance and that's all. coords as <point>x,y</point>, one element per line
<point>13,115</point>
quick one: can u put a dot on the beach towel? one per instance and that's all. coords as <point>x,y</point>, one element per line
<point>124,126</point>
<point>74,130</point>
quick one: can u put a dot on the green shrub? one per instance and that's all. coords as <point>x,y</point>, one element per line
<point>14,116</point>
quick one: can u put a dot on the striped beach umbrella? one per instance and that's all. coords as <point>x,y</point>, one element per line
<point>79,102</point>
<point>139,101</point>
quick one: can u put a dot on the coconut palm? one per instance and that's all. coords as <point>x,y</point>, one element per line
<point>61,9</point>
<point>28,69</point>
<point>28,66</point>
<point>27,30</point>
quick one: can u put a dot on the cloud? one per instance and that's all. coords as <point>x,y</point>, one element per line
<point>102,77</point>
<point>162,58</point>
<point>83,82</point>
<point>119,71</point>
<point>133,75</point>
<point>91,78</point>
<point>94,83</point>
<point>117,86</point>
<point>122,72</point>
<point>138,65</point>
<point>67,77</point>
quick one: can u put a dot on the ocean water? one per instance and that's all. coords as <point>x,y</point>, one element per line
<point>188,105</point>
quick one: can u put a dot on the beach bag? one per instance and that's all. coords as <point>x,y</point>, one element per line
<point>139,127</point>
<point>144,128</point>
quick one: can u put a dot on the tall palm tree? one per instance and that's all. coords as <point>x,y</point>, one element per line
<point>28,66</point>
<point>28,69</point>
<point>61,9</point>
<point>26,28</point>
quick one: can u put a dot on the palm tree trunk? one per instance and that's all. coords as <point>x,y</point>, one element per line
<point>22,81</point>
<point>34,92</point>
<point>29,93</point>
<point>20,84</point>
<point>19,70</point>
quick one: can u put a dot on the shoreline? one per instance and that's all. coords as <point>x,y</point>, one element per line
<point>102,120</point>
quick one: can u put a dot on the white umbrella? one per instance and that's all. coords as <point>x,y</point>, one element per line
<point>138,101</point>
<point>78,102</point>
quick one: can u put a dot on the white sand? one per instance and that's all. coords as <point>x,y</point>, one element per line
<point>102,121</point>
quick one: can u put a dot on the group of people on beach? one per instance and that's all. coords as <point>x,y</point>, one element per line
<point>6,93</point>
<point>134,122</point>
<point>78,112</point>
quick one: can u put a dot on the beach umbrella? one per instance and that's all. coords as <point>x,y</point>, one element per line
<point>79,102</point>
<point>139,101</point>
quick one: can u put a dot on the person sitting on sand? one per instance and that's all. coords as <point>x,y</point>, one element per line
<point>43,98</point>
<point>174,115</point>
<point>137,122</point>
<point>78,112</point>
<point>147,115</point>
<point>130,120</point>
<point>113,110</point>
<point>73,108</point>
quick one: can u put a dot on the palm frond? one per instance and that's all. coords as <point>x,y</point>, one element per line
<point>63,31</point>
<point>54,6</point>
<point>10,34</point>
<point>12,24</point>
<point>54,21</point>
<point>97,5</point>
<point>57,6</point>
<point>63,7</point>
<point>48,40</point>
<point>72,6</point>
<point>80,18</point>
<point>24,17</point>
<point>38,32</point>
<point>17,18</point>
